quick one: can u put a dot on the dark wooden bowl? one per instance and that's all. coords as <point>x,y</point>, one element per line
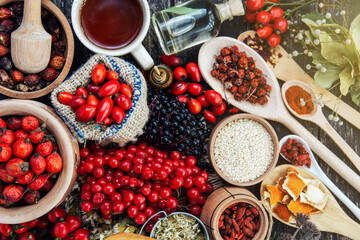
<point>69,55</point>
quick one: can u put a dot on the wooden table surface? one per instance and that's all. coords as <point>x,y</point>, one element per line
<point>233,29</point>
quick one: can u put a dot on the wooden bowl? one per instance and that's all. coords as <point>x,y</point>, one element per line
<point>69,151</point>
<point>69,54</point>
<point>268,127</point>
<point>223,197</point>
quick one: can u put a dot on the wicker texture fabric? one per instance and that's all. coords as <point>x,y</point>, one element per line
<point>135,118</point>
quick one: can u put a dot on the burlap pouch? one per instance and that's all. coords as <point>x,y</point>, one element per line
<point>135,118</point>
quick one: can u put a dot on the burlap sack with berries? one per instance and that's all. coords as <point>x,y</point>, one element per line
<point>135,118</point>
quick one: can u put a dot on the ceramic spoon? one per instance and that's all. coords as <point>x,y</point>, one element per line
<point>319,119</point>
<point>287,69</point>
<point>30,43</point>
<point>316,170</point>
<point>273,110</point>
<point>332,219</point>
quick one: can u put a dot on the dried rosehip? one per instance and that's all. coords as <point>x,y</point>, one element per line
<point>5,39</point>
<point>13,193</point>
<point>5,13</point>
<point>4,77</point>
<point>53,26</point>
<point>49,74</point>
<point>32,79</point>
<point>59,46</point>
<point>6,63</point>
<point>17,76</point>
<point>57,62</point>
<point>3,50</point>
<point>7,25</point>
<point>32,197</point>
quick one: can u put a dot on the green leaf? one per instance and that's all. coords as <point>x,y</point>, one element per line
<point>311,24</point>
<point>182,10</point>
<point>355,32</point>
<point>327,78</point>
<point>355,93</point>
<point>314,16</point>
<point>318,58</point>
<point>346,80</point>
<point>331,50</point>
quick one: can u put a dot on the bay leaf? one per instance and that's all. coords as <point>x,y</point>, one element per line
<point>355,32</point>
<point>346,80</point>
<point>314,16</point>
<point>331,50</point>
<point>355,92</point>
<point>327,78</point>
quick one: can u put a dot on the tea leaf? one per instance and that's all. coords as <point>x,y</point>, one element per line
<point>327,78</point>
<point>346,80</point>
<point>311,24</point>
<point>332,51</point>
<point>318,58</point>
<point>355,32</point>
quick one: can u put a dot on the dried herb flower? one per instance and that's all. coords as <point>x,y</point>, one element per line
<point>301,218</point>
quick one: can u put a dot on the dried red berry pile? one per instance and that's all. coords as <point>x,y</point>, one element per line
<point>11,17</point>
<point>62,225</point>
<point>107,100</point>
<point>29,161</point>
<point>240,76</point>
<point>141,181</point>
<point>239,221</point>
<point>295,152</point>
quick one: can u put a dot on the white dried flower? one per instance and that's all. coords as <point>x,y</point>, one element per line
<point>308,66</point>
<point>318,22</point>
<point>295,53</point>
<point>316,41</point>
<point>310,54</point>
<point>317,32</point>
<point>284,42</point>
<point>290,22</point>
<point>307,42</point>
<point>296,22</point>
<point>300,36</point>
<point>341,123</point>
<point>306,51</point>
<point>337,31</point>
<point>323,69</point>
<point>348,41</point>
<point>336,119</point>
<point>323,21</point>
<point>296,40</point>
<point>331,117</point>
<point>321,5</point>
<point>293,30</point>
<point>342,13</point>
<point>318,66</point>
<point>289,55</point>
<point>292,35</point>
<point>328,15</point>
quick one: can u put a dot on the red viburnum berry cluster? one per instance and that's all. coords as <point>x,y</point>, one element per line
<point>141,181</point>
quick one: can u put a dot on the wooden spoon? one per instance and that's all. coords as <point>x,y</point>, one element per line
<point>318,172</point>
<point>319,119</point>
<point>275,109</point>
<point>287,69</point>
<point>30,43</point>
<point>332,219</point>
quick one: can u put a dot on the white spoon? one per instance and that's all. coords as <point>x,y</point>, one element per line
<point>316,170</point>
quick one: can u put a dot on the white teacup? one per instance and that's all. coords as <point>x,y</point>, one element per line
<point>136,48</point>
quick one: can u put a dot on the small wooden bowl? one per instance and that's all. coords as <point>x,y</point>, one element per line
<point>69,151</point>
<point>260,120</point>
<point>223,197</point>
<point>69,54</point>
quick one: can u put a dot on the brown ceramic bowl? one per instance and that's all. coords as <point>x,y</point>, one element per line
<point>69,151</point>
<point>69,54</point>
<point>270,130</point>
<point>223,197</point>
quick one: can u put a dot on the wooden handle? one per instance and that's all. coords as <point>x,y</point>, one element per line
<point>345,226</point>
<point>349,152</point>
<point>292,71</point>
<point>322,151</point>
<point>32,12</point>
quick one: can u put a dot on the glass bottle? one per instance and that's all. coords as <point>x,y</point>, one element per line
<point>192,23</point>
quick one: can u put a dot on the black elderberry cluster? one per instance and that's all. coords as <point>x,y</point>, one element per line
<point>172,127</point>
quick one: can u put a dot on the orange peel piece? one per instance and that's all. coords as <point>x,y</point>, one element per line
<point>298,207</point>
<point>276,195</point>
<point>283,212</point>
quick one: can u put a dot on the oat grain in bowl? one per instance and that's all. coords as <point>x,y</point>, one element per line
<point>243,150</point>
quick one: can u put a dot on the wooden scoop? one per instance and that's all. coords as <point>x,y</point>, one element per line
<point>332,219</point>
<point>287,69</point>
<point>319,119</point>
<point>273,110</point>
<point>30,43</point>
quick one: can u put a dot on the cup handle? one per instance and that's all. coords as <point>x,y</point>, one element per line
<point>142,56</point>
